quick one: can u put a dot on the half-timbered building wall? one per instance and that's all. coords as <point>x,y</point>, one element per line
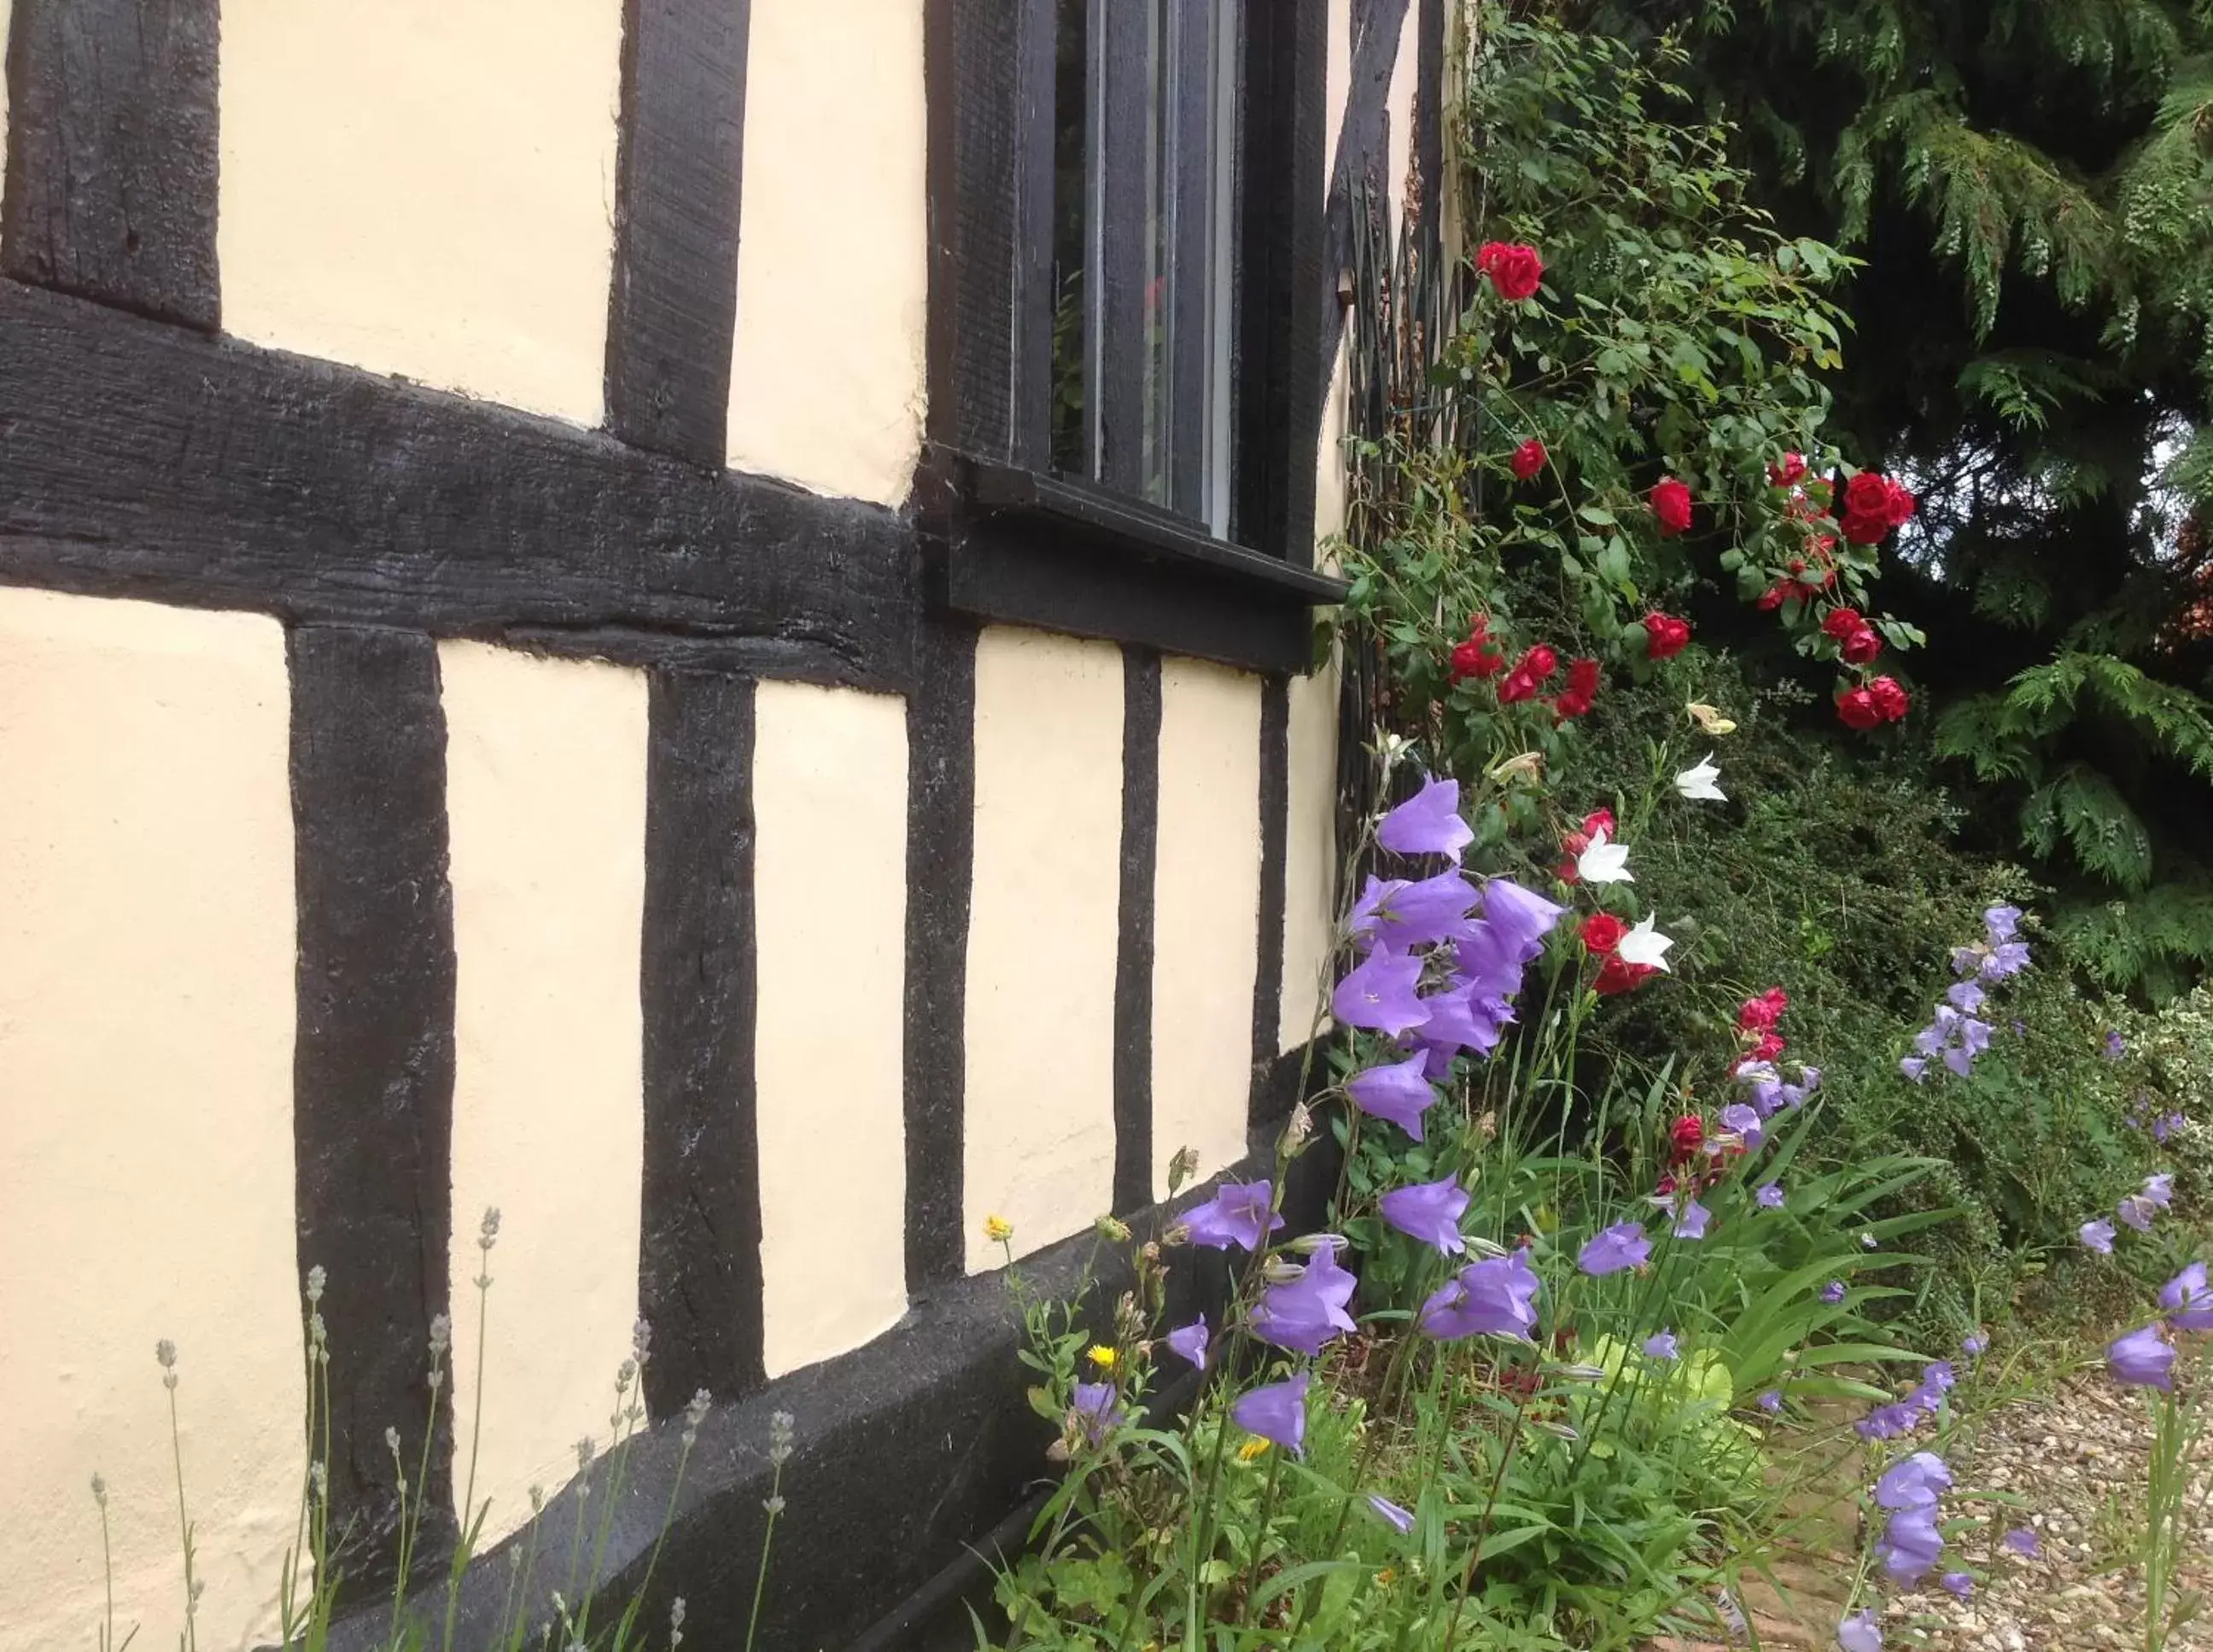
<point>544,666</point>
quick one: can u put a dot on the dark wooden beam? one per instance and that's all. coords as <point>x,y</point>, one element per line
<point>112,158</point>
<point>1134,951</point>
<point>138,460</point>
<point>672,309</point>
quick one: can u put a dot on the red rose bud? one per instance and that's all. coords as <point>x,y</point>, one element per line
<point>1685,1137</point>
<point>1602,933</point>
<point>1478,626</point>
<point>1790,470</point>
<point>1841,623</point>
<point>1772,598</point>
<point>1528,459</point>
<point>1515,686</point>
<point>1890,700</point>
<point>1857,709</point>
<point>1514,268</point>
<point>1768,1048</point>
<point>1671,505</point>
<point>1476,658</point>
<point>1539,662</point>
<point>1598,820</point>
<point>1862,646</point>
<point>1665,638</point>
<point>1581,691</point>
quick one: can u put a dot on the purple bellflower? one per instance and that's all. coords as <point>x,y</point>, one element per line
<point>1974,1343</point>
<point>1378,994</point>
<point>2188,1302</point>
<point>1094,1410</point>
<point>1833,1292</point>
<point>1399,1093</point>
<point>1911,1544</point>
<point>1518,919</point>
<point>1692,1220</point>
<point>1860,1632</point>
<point>1427,823</point>
<point>2166,1125</point>
<point>1771,1402</point>
<point>1740,1120</point>
<point>1464,1017</point>
<point>1914,1482</point>
<point>1409,915</point>
<point>2022,1541</point>
<point>1662,1345</point>
<point>1399,1519</point>
<point>2142,1359</point>
<point>1302,1314</point>
<point>1240,1213</point>
<point>1769,1196</point>
<point>1612,1249</point>
<point>2160,1189</point>
<point>1430,1211</point>
<point>1496,1297</point>
<point>2137,1211</point>
<point>1276,1412</point>
<point>2116,1046</point>
<point>2096,1236</point>
<point>1189,1342</point>
<point>2001,924</point>
<point>1958,1585</point>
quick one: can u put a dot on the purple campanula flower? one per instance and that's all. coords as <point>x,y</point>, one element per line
<point>1518,919</point>
<point>1417,914</point>
<point>1277,1414</point>
<point>1399,1519</point>
<point>2023,1542</point>
<point>1612,1249</point>
<point>1662,1345</point>
<point>1833,1292</point>
<point>1935,1379</point>
<point>2011,959</point>
<point>1771,1402</point>
<point>1914,1482</point>
<point>1958,1585</point>
<point>1463,1018</point>
<point>2020,1028</point>
<point>2160,1189</point>
<point>2116,1046</point>
<point>1094,1410</point>
<point>1365,920</point>
<point>2188,1302</point>
<point>1301,1314</point>
<point>1911,1544</point>
<point>2166,1124</point>
<point>1914,1067</point>
<point>2001,924</point>
<point>1398,1092</point>
<point>1692,1220</point>
<point>1768,1095</point>
<point>1497,1296</point>
<point>1974,1343</point>
<point>1427,823</point>
<point>2137,1211</point>
<point>2142,1359</point>
<point>1966,959</point>
<point>1769,1196</point>
<point>1189,1342</point>
<point>1859,1633</point>
<point>1743,1121</point>
<point>1378,994</point>
<point>2096,1236</point>
<point>1430,1211</point>
<point>1241,1214</point>
<point>1965,997</point>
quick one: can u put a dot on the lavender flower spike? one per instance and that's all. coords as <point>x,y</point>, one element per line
<point>1276,1412</point>
<point>1430,1211</point>
<point>1612,1249</point>
<point>1427,823</point>
<point>1399,1093</point>
<point>2142,1359</point>
<point>1240,1213</point>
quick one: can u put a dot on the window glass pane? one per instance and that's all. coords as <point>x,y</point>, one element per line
<point>1073,448</point>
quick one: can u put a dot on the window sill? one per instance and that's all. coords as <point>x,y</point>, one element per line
<point>1008,545</point>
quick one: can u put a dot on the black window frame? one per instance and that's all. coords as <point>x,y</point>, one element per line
<point>1004,537</point>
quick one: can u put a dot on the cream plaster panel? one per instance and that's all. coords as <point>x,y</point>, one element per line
<point>146,1018</point>
<point>1406,75</point>
<point>1044,927</point>
<point>1206,904</point>
<point>1310,869</point>
<point>1336,75</point>
<point>425,187</point>
<point>830,921</point>
<point>1332,485</point>
<point>546,805</point>
<point>826,381</point>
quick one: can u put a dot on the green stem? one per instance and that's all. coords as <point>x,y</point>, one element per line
<point>768,1536</point>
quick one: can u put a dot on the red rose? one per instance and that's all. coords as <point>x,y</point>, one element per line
<point>1767,1049</point>
<point>1890,701</point>
<point>1665,638</point>
<point>1515,686</point>
<point>1615,977</point>
<point>1862,646</point>
<point>1576,699</point>
<point>1841,623</point>
<point>1539,662</point>
<point>1685,1138</point>
<point>1759,1015</point>
<point>1872,506</point>
<point>1528,459</point>
<point>1858,710</point>
<point>1671,503</point>
<point>1602,933</point>
<point>1792,467</point>
<point>1514,268</point>
<point>1772,598</point>
<point>1474,658</point>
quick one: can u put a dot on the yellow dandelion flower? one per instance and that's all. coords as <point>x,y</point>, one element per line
<point>998,1230</point>
<point>1251,1450</point>
<point>1102,1357</point>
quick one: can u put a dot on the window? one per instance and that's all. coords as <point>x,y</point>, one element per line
<point>1144,185</point>
<point>1125,321</point>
